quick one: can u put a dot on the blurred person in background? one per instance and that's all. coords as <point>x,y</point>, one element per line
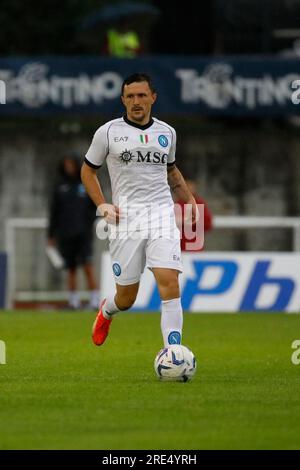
<point>70,229</point>
<point>122,41</point>
<point>208,220</point>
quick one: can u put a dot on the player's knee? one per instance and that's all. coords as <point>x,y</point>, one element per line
<point>169,289</point>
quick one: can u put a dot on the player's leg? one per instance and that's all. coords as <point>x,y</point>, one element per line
<point>167,283</point>
<point>84,257</point>
<point>74,301</point>
<point>171,309</point>
<point>123,299</point>
<point>128,261</point>
<point>89,272</point>
<point>67,248</point>
<point>164,259</point>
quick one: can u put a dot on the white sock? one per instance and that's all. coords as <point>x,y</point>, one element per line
<point>171,321</point>
<point>74,300</point>
<point>109,308</point>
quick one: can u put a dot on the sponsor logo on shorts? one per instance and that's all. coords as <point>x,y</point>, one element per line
<point>174,337</point>
<point>116,269</point>
<point>163,141</point>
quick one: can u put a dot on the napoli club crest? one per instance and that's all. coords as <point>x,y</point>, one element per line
<point>116,269</point>
<point>163,141</point>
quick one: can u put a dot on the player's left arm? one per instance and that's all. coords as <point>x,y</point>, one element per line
<point>181,190</point>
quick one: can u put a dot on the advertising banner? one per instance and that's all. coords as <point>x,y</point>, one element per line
<point>224,282</point>
<point>230,86</point>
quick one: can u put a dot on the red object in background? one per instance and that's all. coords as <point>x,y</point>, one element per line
<point>208,225</point>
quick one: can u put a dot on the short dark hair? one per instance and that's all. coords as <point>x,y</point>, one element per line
<point>138,77</point>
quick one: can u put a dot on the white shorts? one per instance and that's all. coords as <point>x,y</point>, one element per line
<point>130,256</point>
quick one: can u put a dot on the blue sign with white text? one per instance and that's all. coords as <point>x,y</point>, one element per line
<point>223,282</point>
<point>186,85</point>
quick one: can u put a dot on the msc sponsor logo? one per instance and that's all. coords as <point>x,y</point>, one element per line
<point>126,156</point>
<point>144,157</point>
<point>151,157</point>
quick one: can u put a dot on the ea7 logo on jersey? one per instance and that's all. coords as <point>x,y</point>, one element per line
<point>121,139</point>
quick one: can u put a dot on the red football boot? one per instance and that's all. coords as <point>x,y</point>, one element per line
<point>100,327</point>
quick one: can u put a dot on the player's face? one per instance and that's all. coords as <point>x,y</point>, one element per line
<point>138,100</point>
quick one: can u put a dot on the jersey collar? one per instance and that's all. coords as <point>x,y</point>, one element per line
<point>139,126</point>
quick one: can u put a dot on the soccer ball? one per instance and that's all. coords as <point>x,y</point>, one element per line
<point>176,363</point>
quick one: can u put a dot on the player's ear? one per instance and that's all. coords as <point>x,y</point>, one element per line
<point>154,96</point>
<point>122,99</point>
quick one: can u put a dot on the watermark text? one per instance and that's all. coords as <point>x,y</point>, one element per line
<point>296,93</point>
<point>2,352</point>
<point>152,221</point>
<point>2,92</point>
<point>295,358</point>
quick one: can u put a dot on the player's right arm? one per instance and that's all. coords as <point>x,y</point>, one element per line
<point>94,159</point>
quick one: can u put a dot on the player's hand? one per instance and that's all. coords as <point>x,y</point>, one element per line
<point>191,212</point>
<point>51,242</point>
<point>195,213</point>
<point>110,212</point>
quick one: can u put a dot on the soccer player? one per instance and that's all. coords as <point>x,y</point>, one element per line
<point>140,154</point>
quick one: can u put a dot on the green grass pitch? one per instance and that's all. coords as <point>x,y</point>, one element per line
<point>58,391</point>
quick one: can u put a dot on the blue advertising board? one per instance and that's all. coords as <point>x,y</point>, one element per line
<point>230,86</point>
<point>224,282</point>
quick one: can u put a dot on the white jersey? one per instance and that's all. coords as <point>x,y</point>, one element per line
<point>137,158</point>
